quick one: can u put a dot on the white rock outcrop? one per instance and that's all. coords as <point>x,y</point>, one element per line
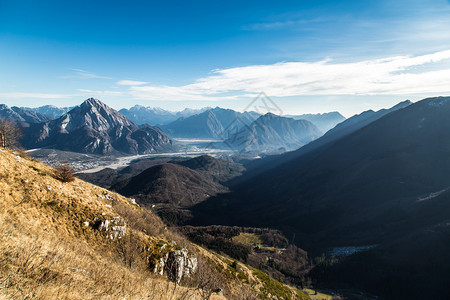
<point>179,264</point>
<point>116,227</point>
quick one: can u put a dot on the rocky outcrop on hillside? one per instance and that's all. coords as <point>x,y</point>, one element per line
<point>116,227</point>
<point>175,264</point>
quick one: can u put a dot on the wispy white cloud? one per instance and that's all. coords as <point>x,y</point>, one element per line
<point>22,95</point>
<point>282,24</point>
<point>83,74</point>
<point>174,93</point>
<point>131,82</point>
<point>100,93</point>
<point>405,75</point>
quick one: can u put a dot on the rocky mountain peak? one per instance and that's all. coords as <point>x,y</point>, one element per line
<point>92,102</point>
<point>269,116</point>
<point>94,127</point>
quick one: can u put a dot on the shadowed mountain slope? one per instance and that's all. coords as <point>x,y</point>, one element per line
<point>169,183</point>
<point>364,188</point>
<point>343,129</point>
<point>220,170</point>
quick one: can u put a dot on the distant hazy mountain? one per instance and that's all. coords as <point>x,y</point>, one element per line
<point>50,111</point>
<point>156,116</point>
<point>274,133</point>
<point>358,121</point>
<point>349,126</point>
<point>94,127</point>
<point>212,123</point>
<point>187,112</point>
<point>344,128</point>
<point>20,115</point>
<point>324,121</point>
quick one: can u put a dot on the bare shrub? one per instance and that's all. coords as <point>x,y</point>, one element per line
<point>128,249</point>
<point>22,152</point>
<point>64,172</point>
<point>245,293</point>
<point>140,219</point>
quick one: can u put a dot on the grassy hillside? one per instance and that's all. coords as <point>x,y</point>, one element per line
<point>52,246</point>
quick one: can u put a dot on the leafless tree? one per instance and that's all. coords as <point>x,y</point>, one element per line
<point>64,172</point>
<point>10,133</point>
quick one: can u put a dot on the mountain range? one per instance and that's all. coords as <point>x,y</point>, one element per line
<point>241,130</point>
<point>22,116</point>
<point>157,116</point>
<point>323,122</point>
<point>341,130</point>
<point>216,123</point>
<point>271,133</point>
<point>51,111</point>
<point>93,127</point>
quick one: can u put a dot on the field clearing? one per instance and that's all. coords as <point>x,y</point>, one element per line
<point>316,295</point>
<point>253,239</point>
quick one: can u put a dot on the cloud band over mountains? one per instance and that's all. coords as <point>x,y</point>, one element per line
<point>399,75</point>
<point>388,76</point>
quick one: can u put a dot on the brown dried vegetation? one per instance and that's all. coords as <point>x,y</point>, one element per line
<point>49,251</point>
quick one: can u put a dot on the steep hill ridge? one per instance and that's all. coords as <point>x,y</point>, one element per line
<point>169,183</point>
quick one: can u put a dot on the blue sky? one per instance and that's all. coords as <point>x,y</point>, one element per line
<point>308,56</point>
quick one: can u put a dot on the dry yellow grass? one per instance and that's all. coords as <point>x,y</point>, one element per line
<point>47,252</point>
